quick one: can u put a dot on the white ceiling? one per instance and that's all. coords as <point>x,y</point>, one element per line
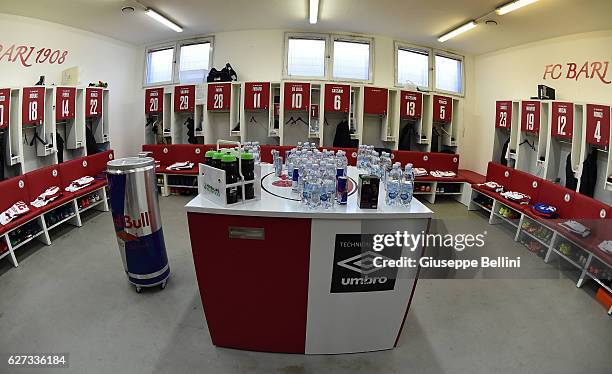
<point>418,21</point>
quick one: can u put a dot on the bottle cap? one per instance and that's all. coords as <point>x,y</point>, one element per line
<point>228,158</point>
<point>209,153</point>
<point>246,156</point>
<point>217,156</point>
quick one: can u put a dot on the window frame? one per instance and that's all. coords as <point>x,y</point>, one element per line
<point>155,48</point>
<point>176,47</point>
<point>352,39</point>
<point>304,35</point>
<point>416,48</point>
<point>187,42</point>
<point>441,53</point>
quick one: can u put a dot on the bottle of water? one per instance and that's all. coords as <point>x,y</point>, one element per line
<point>341,164</point>
<point>385,160</point>
<point>407,186</point>
<point>305,166</point>
<point>295,172</point>
<point>328,187</point>
<point>289,163</point>
<point>256,152</point>
<point>308,187</point>
<point>393,185</point>
<point>299,146</point>
<point>315,192</point>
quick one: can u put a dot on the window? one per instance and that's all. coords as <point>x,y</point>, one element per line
<point>327,56</point>
<point>159,66</point>
<point>351,60</point>
<point>449,73</point>
<point>306,57</point>
<point>412,66</point>
<point>194,62</point>
<point>186,61</point>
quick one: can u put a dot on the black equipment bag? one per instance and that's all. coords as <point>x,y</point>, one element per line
<point>90,142</point>
<point>405,138</point>
<point>502,159</point>
<point>191,139</point>
<point>227,74</point>
<point>571,181</point>
<point>588,179</point>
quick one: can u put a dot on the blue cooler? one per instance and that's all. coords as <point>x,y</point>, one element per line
<point>138,226</point>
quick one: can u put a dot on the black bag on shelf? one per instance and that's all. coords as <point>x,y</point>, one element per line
<point>588,179</point>
<point>227,74</point>
<point>191,139</point>
<point>342,138</point>
<point>502,159</point>
<point>405,138</point>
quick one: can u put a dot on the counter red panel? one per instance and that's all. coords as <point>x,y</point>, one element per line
<point>254,292</point>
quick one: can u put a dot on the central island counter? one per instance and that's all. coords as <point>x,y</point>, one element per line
<point>276,276</point>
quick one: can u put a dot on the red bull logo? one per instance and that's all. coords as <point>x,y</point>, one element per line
<point>127,222</point>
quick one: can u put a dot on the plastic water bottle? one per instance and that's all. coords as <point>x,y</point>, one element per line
<point>315,195</point>
<point>407,186</point>
<point>295,172</point>
<point>385,160</point>
<point>305,166</point>
<point>299,146</point>
<point>393,185</point>
<point>328,187</point>
<point>341,164</point>
<point>289,163</point>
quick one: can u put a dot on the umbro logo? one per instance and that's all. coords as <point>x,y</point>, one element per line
<point>363,263</point>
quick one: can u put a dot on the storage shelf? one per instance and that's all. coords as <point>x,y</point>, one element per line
<point>481,206</point>
<point>535,238</point>
<point>3,255</point>
<point>62,221</point>
<point>91,206</point>
<point>602,284</point>
<point>508,220</point>
<point>449,193</point>
<point>28,240</point>
<point>181,186</point>
<point>567,259</point>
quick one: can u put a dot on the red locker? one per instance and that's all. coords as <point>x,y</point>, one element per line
<point>562,120</point>
<point>33,106</point>
<point>93,102</point>
<point>503,114</point>
<point>337,98</point>
<point>297,96</point>
<point>184,98</point>
<point>256,95</point>
<point>375,100</point>
<point>154,100</point>
<point>411,104</point>
<point>219,96</point>
<point>442,109</point>
<point>65,103</point>
<point>5,107</point>
<point>598,125</point>
<point>530,116</point>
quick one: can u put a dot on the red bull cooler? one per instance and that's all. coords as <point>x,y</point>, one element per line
<point>138,226</point>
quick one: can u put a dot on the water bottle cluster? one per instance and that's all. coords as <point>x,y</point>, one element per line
<point>254,149</point>
<point>315,175</point>
<point>398,183</point>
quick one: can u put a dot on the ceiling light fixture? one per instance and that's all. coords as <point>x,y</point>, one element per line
<point>512,6</point>
<point>459,30</point>
<point>314,11</point>
<point>163,20</point>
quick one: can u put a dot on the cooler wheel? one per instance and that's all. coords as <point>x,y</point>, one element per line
<point>163,285</point>
<point>138,289</point>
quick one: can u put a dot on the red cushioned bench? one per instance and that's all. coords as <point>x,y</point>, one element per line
<point>28,187</point>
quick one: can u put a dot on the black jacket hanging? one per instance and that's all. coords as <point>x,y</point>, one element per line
<point>342,138</point>
<point>588,179</point>
<point>571,181</point>
<point>405,137</point>
<point>90,142</point>
<point>502,159</point>
<point>435,140</point>
<point>59,141</point>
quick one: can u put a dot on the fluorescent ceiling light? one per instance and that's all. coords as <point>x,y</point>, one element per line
<point>314,11</point>
<point>459,30</point>
<point>163,20</point>
<point>504,9</point>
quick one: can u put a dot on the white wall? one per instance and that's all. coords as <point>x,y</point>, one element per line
<point>514,73</point>
<point>100,58</point>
